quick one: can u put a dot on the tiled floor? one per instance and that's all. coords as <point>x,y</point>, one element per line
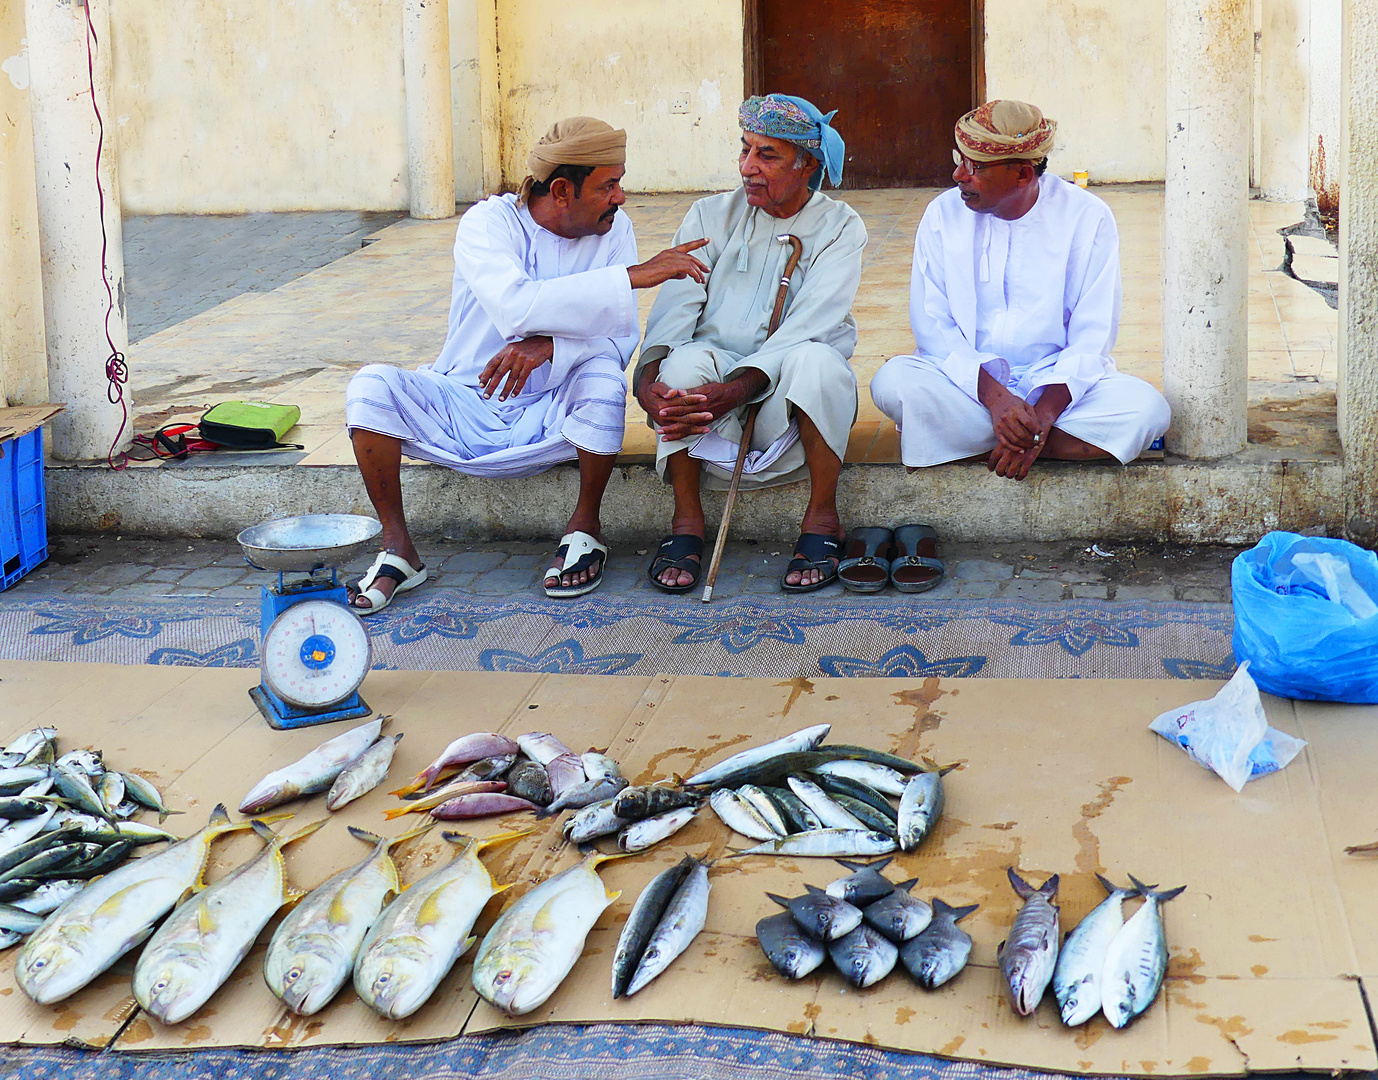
<point>301,342</point>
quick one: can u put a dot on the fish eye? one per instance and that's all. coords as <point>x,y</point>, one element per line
<point>293,975</point>
<point>503,976</point>
<point>382,979</point>
<point>39,964</point>
<point>160,985</point>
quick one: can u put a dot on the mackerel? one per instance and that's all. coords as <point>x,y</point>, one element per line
<point>829,812</point>
<point>804,739</point>
<point>1081,960</point>
<point>940,950</point>
<point>30,748</point>
<point>683,919</point>
<point>1137,958</point>
<point>363,774</point>
<point>314,772</point>
<point>878,777</point>
<point>827,843</point>
<point>1029,955</point>
<point>144,793</point>
<point>739,815</point>
<point>642,921</point>
<point>798,817</point>
<point>765,809</point>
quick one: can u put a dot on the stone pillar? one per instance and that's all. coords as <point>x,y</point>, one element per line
<point>1358,397</point>
<point>1206,226</point>
<point>66,136</point>
<point>430,141</point>
<point>1284,112</point>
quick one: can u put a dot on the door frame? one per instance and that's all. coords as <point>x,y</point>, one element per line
<point>753,56</point>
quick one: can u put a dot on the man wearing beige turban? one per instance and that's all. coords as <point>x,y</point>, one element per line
<point>1015,304</point>
<point>542,324</point>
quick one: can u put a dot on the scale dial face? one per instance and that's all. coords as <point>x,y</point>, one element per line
<point>315,654</point>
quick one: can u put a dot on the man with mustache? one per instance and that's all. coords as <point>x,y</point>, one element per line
<point>1015,305</point>
<point>542,323</point>
<point>706,355</point>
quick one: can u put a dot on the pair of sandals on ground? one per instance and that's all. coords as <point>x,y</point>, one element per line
<point>865,562</point>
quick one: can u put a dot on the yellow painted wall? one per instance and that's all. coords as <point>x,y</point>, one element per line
<point>235,105</point>
<point>23,361</point>
<point>1097,67</point>
<point>632,63</point>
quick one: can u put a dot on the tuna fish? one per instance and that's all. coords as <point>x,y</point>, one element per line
<point>940,950</point>
<point>1081,960</point>
<point>1136,959</point>
<point>314,772</point>
<point>642,921</point>
<point>1029,954</point>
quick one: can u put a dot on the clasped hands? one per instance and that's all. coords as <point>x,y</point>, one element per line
<point>678,414</point>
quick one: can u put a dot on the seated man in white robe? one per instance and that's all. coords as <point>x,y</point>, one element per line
<point>1015,304</point>
<point>708,354</point>
<point>542,324</point>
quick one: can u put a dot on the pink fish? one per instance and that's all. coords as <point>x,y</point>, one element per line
<point>565,772</point>
<point>481,805</point>
<point>466,748</point>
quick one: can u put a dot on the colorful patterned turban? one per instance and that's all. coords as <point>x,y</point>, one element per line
<point>782,116</point>
<point>1005,130</point>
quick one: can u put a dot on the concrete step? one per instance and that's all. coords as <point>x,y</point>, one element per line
<point>1234,500</point>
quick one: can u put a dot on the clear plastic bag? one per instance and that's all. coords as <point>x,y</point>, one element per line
<point>1306,617</point>
<point>1229,733</point>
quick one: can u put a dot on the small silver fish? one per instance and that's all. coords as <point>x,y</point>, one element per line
<point>683,919</point>
<point>765,808</point>
<point>829,811</point>
<point>898,915</point>
<point>642,921</point>
<point>111,791</point>
<point>144,793</point>
<point>596,765</point>
<point>921,805</point>
<point>1136,959</point>
<point>1081,959</point>
<point>1029,955</point>
<point>805,739</point>
<point>792,950</point>
<point>825,917</point>
<point>88,761</point>
<point>32,747</point>
<point>881,777</point>
<point>314,772</point>
<point>864,957</point>
<point>585,794</point>
<point>363,774</point>
<point>592,822</point>
<point>739,815</point>
<point>940,950</point>
<point>827,843</point>
<point>640,835</point>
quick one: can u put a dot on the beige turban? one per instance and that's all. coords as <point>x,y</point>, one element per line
<point>579,140</point>
<point>1001,130</point>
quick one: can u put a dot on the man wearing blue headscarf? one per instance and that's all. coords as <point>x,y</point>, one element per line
<point>706,355</point>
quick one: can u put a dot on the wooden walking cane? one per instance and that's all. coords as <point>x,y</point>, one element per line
<point>796,251</point>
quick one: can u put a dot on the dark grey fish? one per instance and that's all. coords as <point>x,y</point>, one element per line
<point>642,921</point>
<point>797,816</point>
<point>29,848</point>
<point>940,949</point>
<point>865,885</point>
<point>788,947</point>
<point>863,956</point>
<point>18,808</point>
<point>96,860</point>
<point>898,915</point>
<point>585,794</point>
<point>825,917</point>
<point>636,803</point>
<point>1029,955</point>
<point>44,861</point>
<point>489,768</point>
<point>17,889</point>
<point>527,780</point>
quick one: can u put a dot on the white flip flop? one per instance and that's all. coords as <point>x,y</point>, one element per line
<point>576,551</point>
<point>389,566</point>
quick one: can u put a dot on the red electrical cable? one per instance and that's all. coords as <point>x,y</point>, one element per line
<point>116,369</point>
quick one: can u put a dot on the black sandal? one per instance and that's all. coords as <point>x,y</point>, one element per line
<point>815,552</point>
<point>677,553</point>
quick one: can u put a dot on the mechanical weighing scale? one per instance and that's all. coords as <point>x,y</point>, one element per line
<point>316,650</point>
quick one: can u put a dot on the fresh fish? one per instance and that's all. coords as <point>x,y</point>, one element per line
<point>16,889</point>
<point>642,921</point>
<point>1029,954</point>
<point>88,761</point>
<point>89,827</point>
<point>312,952</point>
<point>827,844</point>
<point>75,787</point>
<point>765,808</point>
<point>940,950</point>
<point>921,806</point>
<point>192,954</point>
<point>898,915</point>
<point>472,806</point>
<point>421,934</point>
<point>566,773</point>
<point>111,791</point>
<point>683,919</point>
<point>805,739</point>
<point>739,815</point>
<point>585,794</point>
<point>543,747</point>
<point>96,860</point>
<point>1081,960</point>
<point>773,770</point>
<point>129,808</point>
<point>816,799</point>
<point>864,885</point>
<point>528,780</point>
<point>58,855</point>
<point>825,917</point>
<point>535,943</point>
<point>16,779</point>
<point>453,790</point>
<point>18,808</point>
<point>16,920</point>
<point>797,816</point>
<point>868,815</point>
<point>592,822</point>
<point>38,788</point>
<point>27,849</point>
<point>788,946</point>
<point>32,747</point>
<point>879,777</point>
<point>596,765</point>
<point>489,768</point>
<point>314,772</point>
<point>47,897</point>
<point>635,803</point>
<point>9,939</point>
<point>648,832</point>
<point>841,786</point>
<point>76,944</point>
<point>144,793</point>
<point>465,749</point>
<point>1136,959</point>
<point>363,774</point>
<point>864,957</point>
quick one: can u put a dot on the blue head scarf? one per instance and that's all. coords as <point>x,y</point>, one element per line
<point>783,116</point>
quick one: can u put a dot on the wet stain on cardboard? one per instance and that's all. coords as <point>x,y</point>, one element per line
<point>1088,844</point>
<point>1002,826</point>
<point>796,1027</point>
<point>1148,1066</point>
<point>1084,1066</point>
<point>1260,937</point>
<point>1232,1027</point>
<point>139,1031</point>
<point>1259,970</point>
<point>1185,966</point>
<point>196,1033</point>
<point>1198,1064</point>
<point>1329,1025</point>
<point>1089,1033</point>
<point>1301,1038</point>
<point>951,1047</point>
<point>868,1039</point>
<point>903,1015</point>
<point>798,686</point>
<point>66,1020</point>
<point>696,756</point>
<point>926,718</point>
<point>831,697</point>
<point>6,991</point>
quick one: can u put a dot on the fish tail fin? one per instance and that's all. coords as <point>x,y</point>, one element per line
<point>503,838</point>
<point>1021,887</point>
<point>303,832</point>
<point>906,886</point>
<point>272,819</point>
<point>364,835</point>
<point>1106,884</point>
<point>384,721</point>
<point>219,816</point>
<point>412,787</point>
<point>596,859</point>
<point>1169,894</point>
<point>1150,891</point>
<point>410,834</point>
<point>778,899</point>
<point>503,887</point>
<point>942,907</point>
<point>1048,889</point>
<point>264,833</point>
<point>1140,887</point>
<point>398,811</point>
<point>852,866</point>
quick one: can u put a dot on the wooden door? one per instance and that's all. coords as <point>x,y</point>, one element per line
<point>898,72</point>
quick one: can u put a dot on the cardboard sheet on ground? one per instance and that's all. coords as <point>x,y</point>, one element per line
<point>1268,943</point>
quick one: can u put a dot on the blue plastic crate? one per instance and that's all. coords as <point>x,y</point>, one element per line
<point>23,507</point>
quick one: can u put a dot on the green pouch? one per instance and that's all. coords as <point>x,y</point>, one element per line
<point>250,425</point>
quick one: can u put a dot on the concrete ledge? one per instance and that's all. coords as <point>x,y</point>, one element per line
<point>1230,501</point>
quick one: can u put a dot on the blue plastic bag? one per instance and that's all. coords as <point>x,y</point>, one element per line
<point>1306,617</point>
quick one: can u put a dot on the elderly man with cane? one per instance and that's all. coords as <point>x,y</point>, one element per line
<point>710,352</point>
<point>542,323</point>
